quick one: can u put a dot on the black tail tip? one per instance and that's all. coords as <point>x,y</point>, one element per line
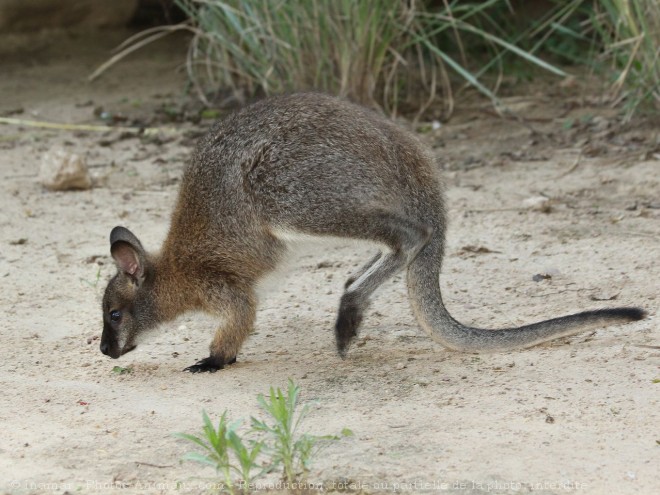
<point>631,314</point>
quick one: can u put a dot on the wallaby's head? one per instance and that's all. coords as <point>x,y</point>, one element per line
<point>128,302</point>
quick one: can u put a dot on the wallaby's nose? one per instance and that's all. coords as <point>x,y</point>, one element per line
<point>105,348</point>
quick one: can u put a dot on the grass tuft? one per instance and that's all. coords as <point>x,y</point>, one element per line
<point>389,54</point>
<point>404,55</point>
<point>630,33</point>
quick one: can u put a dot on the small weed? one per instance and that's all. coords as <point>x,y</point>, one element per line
<point>287,446</point>
<point>122,371</point>
<point>266,446</point>
<point>210,113</point>
<point>226,452</point>
<point>93,284</point>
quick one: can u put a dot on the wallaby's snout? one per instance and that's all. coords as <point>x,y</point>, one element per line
<point>110,349</point>
<point>110,346</point>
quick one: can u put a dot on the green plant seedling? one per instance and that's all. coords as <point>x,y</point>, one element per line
<point>246,454</point>
<point>94,283</point>
<point>287,447</point>
<point>215,446</point>
<point>277,441</point>
<point>225,450</point>
<point>211,113</point>
<point>122,371</point>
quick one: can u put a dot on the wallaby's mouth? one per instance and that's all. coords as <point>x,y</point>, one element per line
<point>128,348</point>
<point>114,351</point>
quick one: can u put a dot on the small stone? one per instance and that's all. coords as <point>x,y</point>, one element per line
<point>538,203</point>
<point>62,170</point>
<point>399,366</point>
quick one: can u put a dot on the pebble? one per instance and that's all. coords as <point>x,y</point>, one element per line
<point>62,170</point>
<point>537,203</point>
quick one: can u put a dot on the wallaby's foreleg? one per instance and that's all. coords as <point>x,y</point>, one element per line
<point>406,238</point>
<point>239,312</point>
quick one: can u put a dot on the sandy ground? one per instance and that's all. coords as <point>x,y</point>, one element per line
<point>580,415</point>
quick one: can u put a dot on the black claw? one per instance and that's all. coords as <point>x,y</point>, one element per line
<point>204,366</point>
<point>208,365</point>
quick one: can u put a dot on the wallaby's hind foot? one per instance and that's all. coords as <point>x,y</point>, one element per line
<point>209,365</point>
<point>406,238</point>
<point>350,313</point>
<point>348,323</point>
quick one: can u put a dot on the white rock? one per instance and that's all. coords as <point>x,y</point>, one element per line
<point>62,170</point>
<point>537,203</point>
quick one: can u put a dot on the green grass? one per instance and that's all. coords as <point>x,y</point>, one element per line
<point>376,52</point>
<point>630,33</point>
<point>225,450</point>
<point>274,443</point>
<point>287,446</point>
<point>93,284</point>
<point>405,55</point>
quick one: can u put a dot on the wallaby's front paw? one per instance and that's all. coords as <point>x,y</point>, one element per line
<point>209,365</point>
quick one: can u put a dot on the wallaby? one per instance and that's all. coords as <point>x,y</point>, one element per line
<point>307,164</point>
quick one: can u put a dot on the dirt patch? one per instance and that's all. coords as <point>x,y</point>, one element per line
<point>580,415</point>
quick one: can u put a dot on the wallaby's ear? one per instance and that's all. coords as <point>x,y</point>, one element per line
<point>128,253</point>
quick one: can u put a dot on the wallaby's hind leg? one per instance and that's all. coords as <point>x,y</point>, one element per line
<point>406,238</point>
<point>362,270</point>
<point>356,297</point>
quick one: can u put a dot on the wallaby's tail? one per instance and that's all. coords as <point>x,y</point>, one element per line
<point>424,290</point>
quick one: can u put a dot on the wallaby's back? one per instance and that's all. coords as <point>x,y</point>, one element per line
<point>297,154</point>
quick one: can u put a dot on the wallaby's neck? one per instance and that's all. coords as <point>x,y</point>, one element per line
<point>174,291</point>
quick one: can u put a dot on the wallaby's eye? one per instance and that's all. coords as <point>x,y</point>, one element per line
<point>115,315</point>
